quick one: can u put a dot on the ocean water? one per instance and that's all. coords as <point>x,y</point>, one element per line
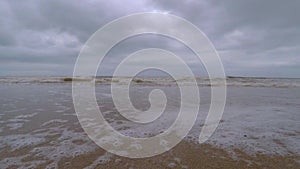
<point>38,121</point>
<point>166,81</point>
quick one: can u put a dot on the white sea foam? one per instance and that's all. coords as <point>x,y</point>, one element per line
<point>64,146</point>
<point>100,160</point>
<point>54,121</point>
<point>16,142</point>
<point>14,126</point>
<point>15,161</point>
<point>165,81</point>
<point>26,115</point>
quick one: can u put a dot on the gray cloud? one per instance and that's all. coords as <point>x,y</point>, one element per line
<point>254,38</point>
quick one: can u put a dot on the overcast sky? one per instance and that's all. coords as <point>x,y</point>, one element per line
<point>253,37</point>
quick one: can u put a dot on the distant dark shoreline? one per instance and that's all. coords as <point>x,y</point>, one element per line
<point>205,77</point>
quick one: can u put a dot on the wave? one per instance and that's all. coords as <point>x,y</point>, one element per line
<point>162,81</point>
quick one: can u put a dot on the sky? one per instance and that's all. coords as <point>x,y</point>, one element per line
<point>253,37</point>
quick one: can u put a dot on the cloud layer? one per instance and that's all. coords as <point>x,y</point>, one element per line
<point>254,38</point>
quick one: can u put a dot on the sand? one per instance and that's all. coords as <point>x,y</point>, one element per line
<point>185,155</point>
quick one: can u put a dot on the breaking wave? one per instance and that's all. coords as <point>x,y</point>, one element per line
<point>163,81</point>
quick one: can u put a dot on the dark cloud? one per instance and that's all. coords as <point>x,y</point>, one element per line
<point>254,37</point>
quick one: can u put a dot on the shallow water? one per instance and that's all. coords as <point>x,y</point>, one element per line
<point>37,120</point>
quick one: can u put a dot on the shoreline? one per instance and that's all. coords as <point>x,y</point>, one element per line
<point>184,155</point>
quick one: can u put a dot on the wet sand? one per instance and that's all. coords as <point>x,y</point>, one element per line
<point>185,155</point>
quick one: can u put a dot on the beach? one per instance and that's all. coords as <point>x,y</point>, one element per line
<point>259,128</point>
